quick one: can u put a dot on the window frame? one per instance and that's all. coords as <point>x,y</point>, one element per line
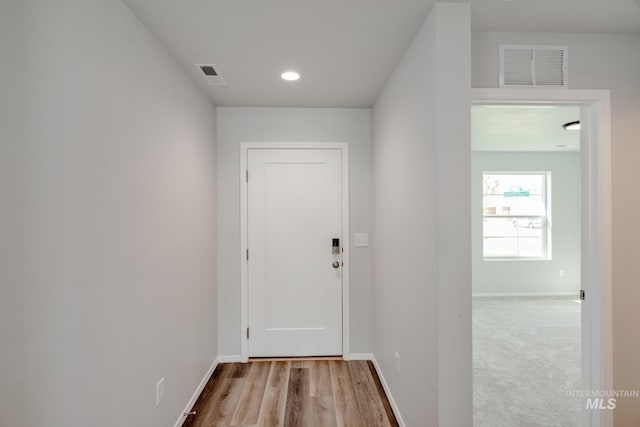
<point>545,218</point>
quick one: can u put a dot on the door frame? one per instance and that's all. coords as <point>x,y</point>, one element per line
<point>596,250</point>
<point>244,279</point>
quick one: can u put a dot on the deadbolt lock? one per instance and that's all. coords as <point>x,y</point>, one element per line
<point>335,246</point>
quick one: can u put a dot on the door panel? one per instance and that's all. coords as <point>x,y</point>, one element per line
<point>294,212</point>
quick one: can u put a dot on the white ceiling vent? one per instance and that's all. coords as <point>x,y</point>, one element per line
<point>533,66</point>
<point>211,74</point>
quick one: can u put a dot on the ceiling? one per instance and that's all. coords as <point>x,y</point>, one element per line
<point>567,16</point>
<point>524,128</point>
<point>344,49</point>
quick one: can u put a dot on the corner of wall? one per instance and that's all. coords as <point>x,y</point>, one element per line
<point>422,263</point>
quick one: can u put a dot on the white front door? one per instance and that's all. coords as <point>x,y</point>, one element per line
<point>294,278</point>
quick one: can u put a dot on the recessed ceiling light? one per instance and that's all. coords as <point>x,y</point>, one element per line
<point>290,76</point>
<point>572,125</point>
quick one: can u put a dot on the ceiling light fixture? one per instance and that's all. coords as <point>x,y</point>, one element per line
<point>572,125</point>
<point>290,76</point>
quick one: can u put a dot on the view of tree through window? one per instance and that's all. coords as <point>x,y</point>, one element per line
<point>515,215</point>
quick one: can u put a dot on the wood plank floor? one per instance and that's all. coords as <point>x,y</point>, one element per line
<point>292,393</point>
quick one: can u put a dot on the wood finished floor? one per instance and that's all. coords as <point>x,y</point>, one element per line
<point>306,393</point>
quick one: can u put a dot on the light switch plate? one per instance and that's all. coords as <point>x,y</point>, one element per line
<point>362,240</point>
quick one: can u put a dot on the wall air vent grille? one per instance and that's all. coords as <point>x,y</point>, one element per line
<point>533,66</point>
<point>208,70</point>
<point>211,74</point>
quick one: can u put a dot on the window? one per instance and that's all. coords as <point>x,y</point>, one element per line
<point>516,215</point>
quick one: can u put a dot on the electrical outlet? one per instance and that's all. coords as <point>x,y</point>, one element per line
<point>561,273</point>
<point>160,391</point>
<point>397,357</point>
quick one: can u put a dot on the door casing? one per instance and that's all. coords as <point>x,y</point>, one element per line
<point>244,284</point>
<point>596,255</point>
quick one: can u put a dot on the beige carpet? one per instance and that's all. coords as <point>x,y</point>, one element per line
<point>526,356</point>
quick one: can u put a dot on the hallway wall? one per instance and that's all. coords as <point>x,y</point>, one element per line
<point>107,183</point>
<point>422,228</point>
<point>12,224</point>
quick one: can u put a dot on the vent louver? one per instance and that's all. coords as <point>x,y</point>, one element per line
<point>211,74</point>
<point>208,70</point>
<point>533,66</point>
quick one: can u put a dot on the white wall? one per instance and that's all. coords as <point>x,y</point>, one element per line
<point>236,125</point>
<point>109,193</point>
<point>422,260</point>
<point>12,225</point>
<point>532,277</point>
<point>601,61</point>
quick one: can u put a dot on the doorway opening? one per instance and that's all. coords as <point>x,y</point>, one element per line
<point>541,240</point>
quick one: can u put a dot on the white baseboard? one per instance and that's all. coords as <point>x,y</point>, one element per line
<point>235,358</point>
<point>358,356</point>
<point>387,391</point>
<point>525,294</point>
<point>196,394</point>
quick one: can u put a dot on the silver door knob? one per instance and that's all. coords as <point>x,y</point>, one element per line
<point>336,264</point>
